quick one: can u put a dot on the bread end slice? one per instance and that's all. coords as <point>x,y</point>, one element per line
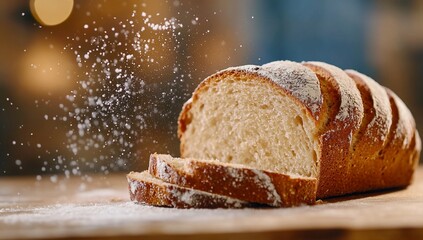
<point>144,188</point>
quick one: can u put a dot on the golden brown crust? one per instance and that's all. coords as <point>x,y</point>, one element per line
<point>340,124</point>
<point>415,155</point>
<point>142,190</point>
<point>400,155</point>
<point>238,182</point>
<point>184,119</point>
<point>365,170</point>
<point>377,115</point>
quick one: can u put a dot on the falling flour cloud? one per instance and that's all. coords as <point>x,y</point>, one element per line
<point>105,113</point>
<point>133,71</point>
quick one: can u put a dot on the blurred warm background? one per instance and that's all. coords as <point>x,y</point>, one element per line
<point>140,60</point>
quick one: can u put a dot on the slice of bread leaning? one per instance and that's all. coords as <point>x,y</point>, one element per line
<point>146,189</point>
<point>235,181</point>
<point>310,119</point>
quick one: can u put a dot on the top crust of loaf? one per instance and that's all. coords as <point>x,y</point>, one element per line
<point>351,106</point>
<point>406,131</point>
<point>299,81</point>
<point>372,136</point>
<point>415,156</point>
<point>344,113</point>
<point>378,113</point>
<point>290,77</point>
<point>405,119</point>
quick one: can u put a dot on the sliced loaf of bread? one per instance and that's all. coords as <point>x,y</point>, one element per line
<point>146,189</point>
<point>235,181</point>
<point>311,119</point>
<point>283,134</point>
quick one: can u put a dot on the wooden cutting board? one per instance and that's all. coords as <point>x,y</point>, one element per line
<point>98,208</point>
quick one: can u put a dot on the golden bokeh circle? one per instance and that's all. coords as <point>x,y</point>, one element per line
<point>51,12</point>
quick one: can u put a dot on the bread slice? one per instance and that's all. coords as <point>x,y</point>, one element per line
<point>144,188</point>
<point>235,180</point>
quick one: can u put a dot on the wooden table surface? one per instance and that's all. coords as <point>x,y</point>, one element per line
<point>99,208</point>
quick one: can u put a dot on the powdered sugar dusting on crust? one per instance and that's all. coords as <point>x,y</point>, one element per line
<point>351,106</point>
<point>185,196</point>
<point>162,170</point>
<point>264,180</point>
<point>236,173</point>
<point>406,123</point>
<point>300,81</point>
<point>382,120</point>
<point>261,179</point>
<point>294,78</point>
<point>133,185</point>
<point>234,202</point>
<point>230,176</point>
<point>177,194</point>
<point>193,198</point>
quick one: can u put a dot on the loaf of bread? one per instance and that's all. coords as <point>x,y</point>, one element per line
<point>283,134</point>
<point>146,189</point>
<point>306,119</point>
<point>234,180</point>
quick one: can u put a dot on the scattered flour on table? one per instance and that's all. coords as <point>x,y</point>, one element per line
<point>100,214</point>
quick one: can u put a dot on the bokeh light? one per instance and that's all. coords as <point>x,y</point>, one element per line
<point>51,12</point>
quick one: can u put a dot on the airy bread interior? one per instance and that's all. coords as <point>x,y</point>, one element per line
<point>233,119</point>
<point>145,176</point>
<point>184,164</point>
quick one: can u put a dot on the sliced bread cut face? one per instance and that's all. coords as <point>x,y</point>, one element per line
<point>248,115</point>
<point>235,180</point>
<point>146,189</point>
